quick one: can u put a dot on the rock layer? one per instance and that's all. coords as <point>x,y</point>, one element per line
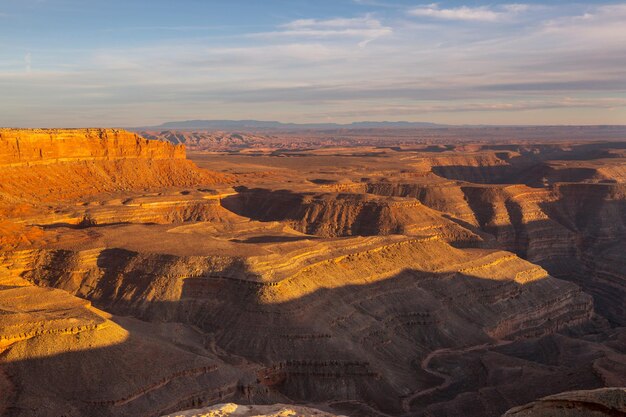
<point>278,410</point>
<point>605,402</point>
<point>56,165</point>
<point>312,280</point>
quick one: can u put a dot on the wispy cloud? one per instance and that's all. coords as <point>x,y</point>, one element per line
<point>366,28</point>
<point>491,106</point>
<point>444,61</point>
<point>603,25</point>
<point>481,13</point>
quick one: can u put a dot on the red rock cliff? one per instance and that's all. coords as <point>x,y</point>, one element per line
<point>31,146</point>
<point>53,165</point>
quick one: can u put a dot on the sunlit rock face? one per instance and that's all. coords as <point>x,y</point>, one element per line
<point>605,402</point>
<point>278,410</point>
<point>50,146</point>
<point>51,165</point>
<point>358,280</point>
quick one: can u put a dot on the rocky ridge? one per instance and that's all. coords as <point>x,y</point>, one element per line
<point>360,292</point>
<point>604,402</point>
<point>278,410</point>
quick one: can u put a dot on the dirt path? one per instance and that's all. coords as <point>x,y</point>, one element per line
<point>447,379</point>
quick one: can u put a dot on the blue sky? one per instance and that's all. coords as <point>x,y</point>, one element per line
<point>132,63</point>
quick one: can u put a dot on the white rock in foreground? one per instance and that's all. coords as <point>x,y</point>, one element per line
<point>234,410</point>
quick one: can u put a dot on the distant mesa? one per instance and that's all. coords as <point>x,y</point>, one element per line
<point>261,124</point>
<point>277,273</point>
<point>54,164</point>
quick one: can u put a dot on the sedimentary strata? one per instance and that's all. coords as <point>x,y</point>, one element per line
<point>423,287</point>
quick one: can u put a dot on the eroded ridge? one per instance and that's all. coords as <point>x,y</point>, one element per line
<point>364,281</point>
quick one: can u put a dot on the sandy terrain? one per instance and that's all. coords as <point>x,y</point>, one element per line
<point>416,279</point>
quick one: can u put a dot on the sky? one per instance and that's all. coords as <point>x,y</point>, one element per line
<point>124,63</point>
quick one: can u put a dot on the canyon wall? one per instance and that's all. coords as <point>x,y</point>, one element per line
<point>48,166</point>
<point>50,146</point>
<point>157,286</point>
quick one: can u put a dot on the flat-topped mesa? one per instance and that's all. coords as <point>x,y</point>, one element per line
<point>346,214</point>
<point>54,165</point>
<point>31,146</point>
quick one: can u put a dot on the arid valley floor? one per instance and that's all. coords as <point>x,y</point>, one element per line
<point>380,274</point>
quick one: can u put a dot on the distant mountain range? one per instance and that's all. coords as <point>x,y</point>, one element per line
<point>260,124</point>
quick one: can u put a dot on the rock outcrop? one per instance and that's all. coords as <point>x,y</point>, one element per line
<point>133,282</point>
<point>344,214</point>
<point>232,410</point>
<point>385,298</point>
<point>48,166</point>
<point>49,146</point>
<point>604,402</point>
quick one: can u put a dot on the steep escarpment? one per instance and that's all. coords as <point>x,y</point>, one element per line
<point>385,298</point>
<point>444,196</point>
<point>356,280</point>
<point>276,410</point>
<point>63,175</point>
<point>597,215</point>
<point>334,214</point>
<point>604,402</point>
<point>534,165</point>
<point>53,335</point>
<point>516,216</point>
<point>47,166</point>
<point>47,334</point>
<point>596,210</point>
<point>574,230</point>
<point>48,146</point>
<point>489,167</point>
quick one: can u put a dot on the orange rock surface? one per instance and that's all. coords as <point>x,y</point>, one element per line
<point>432,280</point>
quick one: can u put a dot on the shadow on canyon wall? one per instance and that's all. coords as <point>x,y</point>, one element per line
<point>361,346</point>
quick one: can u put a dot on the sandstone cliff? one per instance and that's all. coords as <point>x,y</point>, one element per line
<point>130,287</point>
<point>48,146</point>
<point>605,402</point>
<point>48,166</point>
<point>278,410</point>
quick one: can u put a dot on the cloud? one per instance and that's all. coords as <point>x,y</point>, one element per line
<point>479,14</point>
<point>605,84</point>
<point>366,28</point>
<point>603,25</point>
<point>296,69</point>
<point>473,107</point>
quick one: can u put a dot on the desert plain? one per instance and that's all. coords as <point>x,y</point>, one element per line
<point>376,273</point>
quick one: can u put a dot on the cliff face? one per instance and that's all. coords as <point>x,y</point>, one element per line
<point>605,402</point>
<point>347,214</point>
<point>48,146</point>
<point>277,410</point>
<point>574,230</point>
<point>319,280</point>
<point>48,166</point>
<point>287,313</point>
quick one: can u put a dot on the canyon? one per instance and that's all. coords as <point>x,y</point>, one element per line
<point>372,275</point>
